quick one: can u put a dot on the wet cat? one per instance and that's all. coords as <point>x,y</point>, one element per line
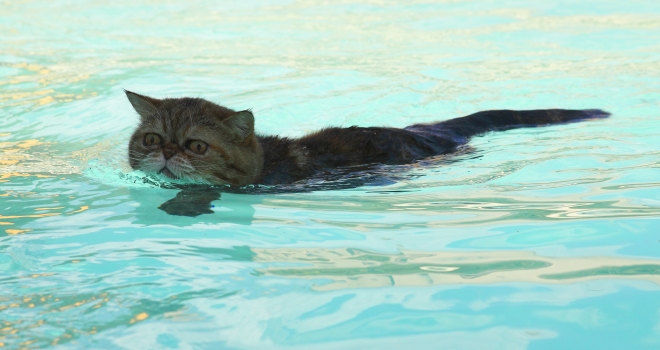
<point>199,141</point>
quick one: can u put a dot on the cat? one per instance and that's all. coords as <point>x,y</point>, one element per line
<point>198,141</point>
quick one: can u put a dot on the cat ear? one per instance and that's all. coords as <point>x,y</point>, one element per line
<point>144,105</point>
<point>240,124</point>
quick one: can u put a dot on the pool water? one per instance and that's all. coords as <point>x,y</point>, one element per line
<point>541,238</point>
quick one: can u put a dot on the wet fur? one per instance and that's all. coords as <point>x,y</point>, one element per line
<point>233,155</point>
<point>237,156</point>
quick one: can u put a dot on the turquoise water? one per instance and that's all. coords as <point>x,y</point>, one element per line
<point>544,238</point>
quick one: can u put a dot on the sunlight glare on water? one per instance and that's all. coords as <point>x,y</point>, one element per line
<point>540,238</point>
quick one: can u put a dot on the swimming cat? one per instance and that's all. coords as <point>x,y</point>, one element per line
<point>199,141</point>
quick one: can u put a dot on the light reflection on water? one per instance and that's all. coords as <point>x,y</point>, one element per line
<point>530,238</point>
<point>353,268</point>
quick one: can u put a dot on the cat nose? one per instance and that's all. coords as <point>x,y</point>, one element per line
<point>170,150</point>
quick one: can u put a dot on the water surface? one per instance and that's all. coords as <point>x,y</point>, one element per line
<point>541,238</point>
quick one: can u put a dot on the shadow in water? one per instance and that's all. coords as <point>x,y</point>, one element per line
<point>191,203</point>
<point>196,199</point>
<point>157,206</point>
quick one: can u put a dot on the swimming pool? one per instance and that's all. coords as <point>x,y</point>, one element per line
<point>541,238</point>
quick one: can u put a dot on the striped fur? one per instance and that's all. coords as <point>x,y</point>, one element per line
<point>237,156</point>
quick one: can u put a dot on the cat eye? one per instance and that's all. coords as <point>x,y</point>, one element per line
<point>152,139</point>
<point>197,146</point>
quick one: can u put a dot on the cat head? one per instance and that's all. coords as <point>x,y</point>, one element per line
<point>194,140</point>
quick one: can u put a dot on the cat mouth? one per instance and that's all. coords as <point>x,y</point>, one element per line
<point>167,173</point>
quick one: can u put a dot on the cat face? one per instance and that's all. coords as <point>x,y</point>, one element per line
<point>194,140</point>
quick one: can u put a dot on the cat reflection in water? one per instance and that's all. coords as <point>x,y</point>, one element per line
<point>199,141</point>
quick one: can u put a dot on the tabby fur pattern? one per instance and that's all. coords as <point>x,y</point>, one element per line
<point>199,141</point>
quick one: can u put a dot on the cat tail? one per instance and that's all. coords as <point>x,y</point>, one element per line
<point>496,120</point>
